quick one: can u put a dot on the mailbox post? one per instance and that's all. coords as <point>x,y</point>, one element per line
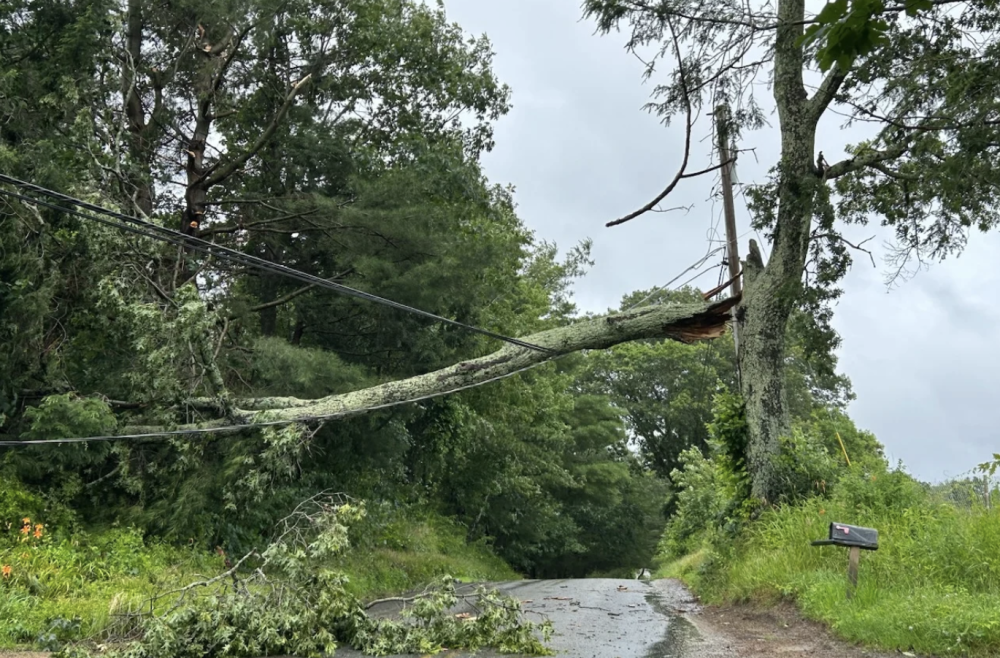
<point>855,539</point>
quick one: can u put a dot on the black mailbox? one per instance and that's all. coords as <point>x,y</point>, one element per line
<point>851,536</point>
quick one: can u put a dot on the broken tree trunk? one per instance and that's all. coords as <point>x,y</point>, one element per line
<point>685,323</point>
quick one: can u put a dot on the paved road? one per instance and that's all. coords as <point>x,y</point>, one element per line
<point>604,618</point>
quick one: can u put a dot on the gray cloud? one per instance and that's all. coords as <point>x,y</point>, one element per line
<point>580,152</point>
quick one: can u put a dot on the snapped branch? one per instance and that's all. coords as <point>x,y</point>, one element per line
<point>857,247</point>
<point>684,323</point>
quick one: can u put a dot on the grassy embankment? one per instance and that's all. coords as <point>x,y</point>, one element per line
<point>933,586</point>
<point>59,572</point>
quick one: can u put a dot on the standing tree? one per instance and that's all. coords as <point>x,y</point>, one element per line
<point>923,72</point>
<point>337,137</point>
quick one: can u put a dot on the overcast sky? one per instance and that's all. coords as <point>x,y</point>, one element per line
<point>580,151</point>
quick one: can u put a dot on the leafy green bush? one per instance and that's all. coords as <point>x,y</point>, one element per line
<point>805,467</point>
<point>711,492</point>
<point>699,501</point>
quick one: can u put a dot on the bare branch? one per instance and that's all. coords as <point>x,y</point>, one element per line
<point>709,170</point>
<point>686,209</point>
<point>715,291</point>
<point>857,247</point>
<point>182,592</point>
<point>827,91</point>
<point>229,228</point>
<point>279,301</point>
<point>688,126</point>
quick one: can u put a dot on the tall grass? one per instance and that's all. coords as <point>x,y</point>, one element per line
<point>932,587</point>
<point>66,573</point>
<point>398,548</point>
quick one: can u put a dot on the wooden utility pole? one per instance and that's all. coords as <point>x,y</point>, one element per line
<point>732,243</point>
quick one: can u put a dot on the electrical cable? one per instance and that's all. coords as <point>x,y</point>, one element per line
<point>225,429</point>
<point>172,236</point>
<point>695,277</point>
<point>695,266</point>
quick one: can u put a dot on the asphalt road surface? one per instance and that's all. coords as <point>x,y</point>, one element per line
<point>604,618</point>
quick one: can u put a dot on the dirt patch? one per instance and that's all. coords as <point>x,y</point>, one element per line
<point>747,632</point>
<point>23,654</point>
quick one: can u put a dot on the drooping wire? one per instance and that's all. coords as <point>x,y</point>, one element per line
<point>701,274</point>
<point>228,429</point>
<point>696,265</point>
<point>172,236</point>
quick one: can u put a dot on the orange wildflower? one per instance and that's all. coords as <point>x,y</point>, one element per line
<point>26,529</point>
<point>26,521</point>
<point>5,571</point>
<point>38,533</point>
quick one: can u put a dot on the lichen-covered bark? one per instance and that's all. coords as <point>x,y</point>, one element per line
<point>685,323</point>
<point>772,291</point>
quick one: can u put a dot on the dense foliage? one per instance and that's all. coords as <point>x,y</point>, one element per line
<point>366,173</point>
<point>341,138</point>
<point>932,585</point>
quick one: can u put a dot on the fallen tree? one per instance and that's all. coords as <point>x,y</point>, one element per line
<point>683,322</point>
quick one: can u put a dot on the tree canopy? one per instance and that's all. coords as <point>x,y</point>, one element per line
<point>919,72</point>
<point>340,139</point>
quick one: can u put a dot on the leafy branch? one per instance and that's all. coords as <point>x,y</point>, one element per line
<point>293,604</point>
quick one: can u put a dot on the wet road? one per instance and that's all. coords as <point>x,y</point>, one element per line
<point>603,618</point>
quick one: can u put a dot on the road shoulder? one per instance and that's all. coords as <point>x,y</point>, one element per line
<point>752,631</point>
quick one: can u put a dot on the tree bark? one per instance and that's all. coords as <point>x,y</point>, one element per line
<point>772,291</point>
<point>684,323</point>
<point>140,145</point>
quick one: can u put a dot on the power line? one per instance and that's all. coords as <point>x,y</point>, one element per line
<point>226,429</point>
<point>172,236</point>
<point>697,264</point>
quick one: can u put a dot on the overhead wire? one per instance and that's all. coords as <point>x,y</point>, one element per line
<point>696,265</point>
<point>711,236</point>
<point>143,228</point>
<point>226,429</point>
<point>148,229</point>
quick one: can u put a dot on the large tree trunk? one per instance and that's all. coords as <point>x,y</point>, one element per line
<point>142,137</point>
<point>685,323</point>
<point>771,292</point>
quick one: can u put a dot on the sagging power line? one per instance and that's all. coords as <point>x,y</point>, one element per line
<point>230,429</point>
<point>148,229</point>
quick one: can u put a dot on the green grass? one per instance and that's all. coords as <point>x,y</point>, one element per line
<point>68,573</point>
<point>412,548</point>
<point>87,576</point>
<point>933,586</point>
